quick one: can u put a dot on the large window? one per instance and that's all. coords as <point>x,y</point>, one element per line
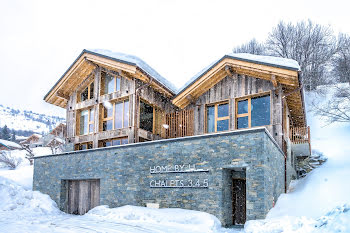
<point>253,111</point>
<point>116,115</point>
<point>110,83</point>
<point>86,119</point>
<point>87,93</point>
<point>146,116</point>
<point>218,117</point>
<point>113,142</point>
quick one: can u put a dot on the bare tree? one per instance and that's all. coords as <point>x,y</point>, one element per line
<point>341,60</point>
<point>311,45</point>
<point>29,154</point>
<point>9,160</point>
<point>252,47</point>
<point>337,109</point>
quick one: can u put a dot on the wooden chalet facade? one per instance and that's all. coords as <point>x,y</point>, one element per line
<point>245,115</point>
<point>113,99</point>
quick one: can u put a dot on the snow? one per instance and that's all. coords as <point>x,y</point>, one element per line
<point>138,62</point>
<point>9,144</point>
<point>26,120</point>
<point>320,202</point>
<point>268,60</point>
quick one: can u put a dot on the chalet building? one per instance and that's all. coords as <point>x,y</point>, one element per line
<point>33,141</point>
<point>225,143</point>
<point>8,145</point>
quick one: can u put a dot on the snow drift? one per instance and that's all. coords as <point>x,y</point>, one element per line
<point>187,220</point>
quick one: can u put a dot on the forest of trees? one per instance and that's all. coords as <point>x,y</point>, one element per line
<point>324,59</point>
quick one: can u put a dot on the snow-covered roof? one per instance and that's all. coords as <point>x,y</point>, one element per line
<point>133,60</point>
<point>9,144</point>
<point>278,62</point>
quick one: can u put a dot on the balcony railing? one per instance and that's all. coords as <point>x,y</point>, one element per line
<point>300,136</point>
<point>179,124</point>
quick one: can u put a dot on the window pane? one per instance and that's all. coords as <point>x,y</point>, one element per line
<point>124,141</point>
<point>84,95</point>
<point>210,119</point>
<point>260,111</point>
<point>146,117</point>
<point>107,125</point>
<point>222,125</point>
<point>223,110</point>
<point>126,113</point>
<point>242,122</point>
<point>89,145</point>
<point>108,111</point>
<point>118,115</point>
<point>83,147</point>
<point>118,84</point>
<point>242,106</point>
<point>91,114</point>
<point>91,128</point>
<point>84,122</point>
<point>108,143</point>
<point>109,84</point>
<point>92,90</point>
<point>116,142</point>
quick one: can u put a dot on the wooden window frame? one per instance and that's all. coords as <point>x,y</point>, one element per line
<point>89,121</point>
<point>155,109</point>
<point>249,114</point>
<point>105,119</point>
<point>83,143</point>
<point>216,118</point>
<point>89,92</point>
<point>111,140</point>
<point>103,82</point>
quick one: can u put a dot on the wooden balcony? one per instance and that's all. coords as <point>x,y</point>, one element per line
<point>300,139</point>
<point>179,124</point>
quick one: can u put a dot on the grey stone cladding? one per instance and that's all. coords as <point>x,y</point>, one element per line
<point>125,172</point>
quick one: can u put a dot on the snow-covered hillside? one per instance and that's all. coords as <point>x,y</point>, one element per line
<point>27,120</point>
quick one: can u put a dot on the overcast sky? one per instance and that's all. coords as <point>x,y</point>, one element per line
<point>40,39</point>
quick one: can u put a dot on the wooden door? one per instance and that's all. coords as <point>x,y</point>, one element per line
<point>238,201</point>
<point>83,195</point>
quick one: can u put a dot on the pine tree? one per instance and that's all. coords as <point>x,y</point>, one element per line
<point>5,134</point>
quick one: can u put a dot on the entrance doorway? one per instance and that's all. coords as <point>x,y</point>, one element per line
<point>238,201</point>
<point>83,195</point>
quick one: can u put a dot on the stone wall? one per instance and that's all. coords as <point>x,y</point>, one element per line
<point>125,172</point>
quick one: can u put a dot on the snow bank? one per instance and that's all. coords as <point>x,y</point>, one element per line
<point>15,198</point>
<point>189,220</point>
<point>23,174</point>
<point>336,220</point>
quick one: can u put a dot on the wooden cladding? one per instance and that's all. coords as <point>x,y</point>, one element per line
<point>300,135</point>
<point>179,124</point>
<point>82,196</point>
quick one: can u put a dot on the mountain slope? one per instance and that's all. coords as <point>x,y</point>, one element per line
<point>27,120</point>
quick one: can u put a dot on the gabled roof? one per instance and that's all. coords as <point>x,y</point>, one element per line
<point>9,144</point>
<point>135,61</point>
<point>277,70</point>
<point>87,61</point>
<point>278,62</point>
